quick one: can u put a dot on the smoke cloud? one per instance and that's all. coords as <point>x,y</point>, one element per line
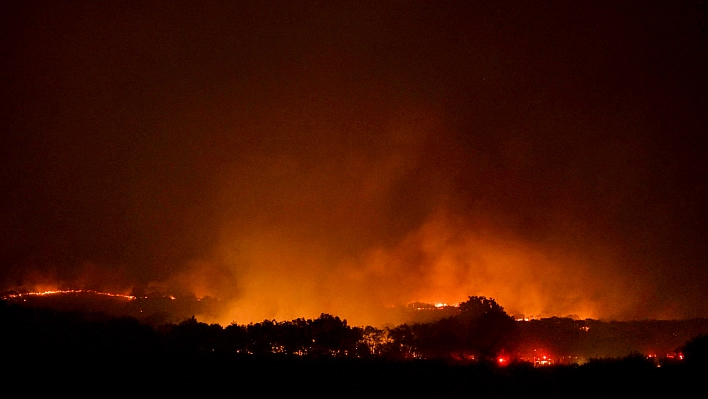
<point>294,159</point>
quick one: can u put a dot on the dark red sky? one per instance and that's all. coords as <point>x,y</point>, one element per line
<point>293,158</point>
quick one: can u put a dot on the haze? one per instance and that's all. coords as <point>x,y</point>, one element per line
<point>294,158</point>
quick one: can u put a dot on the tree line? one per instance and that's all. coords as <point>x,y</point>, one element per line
<point>480,330</point>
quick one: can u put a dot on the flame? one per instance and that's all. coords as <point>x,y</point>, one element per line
<point>56,292</point>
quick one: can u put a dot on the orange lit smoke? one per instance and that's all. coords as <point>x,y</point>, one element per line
<point>273,275</point>
<point>438,263</point>
<point>355,230</point>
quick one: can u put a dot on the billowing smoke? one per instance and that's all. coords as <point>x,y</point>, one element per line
<point>306,158</point>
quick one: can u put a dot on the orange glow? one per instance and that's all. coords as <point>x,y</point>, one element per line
<point>420,160</point>
<point>55,292</point>
<point>440,263</point>
<point>542,360</point>
<point>272,274</point>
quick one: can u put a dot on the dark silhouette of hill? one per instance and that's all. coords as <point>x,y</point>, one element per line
<point>152,308</point>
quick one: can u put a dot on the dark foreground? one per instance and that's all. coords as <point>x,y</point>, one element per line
<point>331,377</point>
<point>44,352</point>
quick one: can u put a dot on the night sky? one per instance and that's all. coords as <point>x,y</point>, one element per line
<point>292,158</point>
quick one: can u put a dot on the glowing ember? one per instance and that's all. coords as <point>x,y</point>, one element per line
<point>542,361</point>
<point>46,293</point>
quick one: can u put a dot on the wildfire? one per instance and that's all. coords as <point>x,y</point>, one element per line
<point>542,360</point>
<point>55,292</point>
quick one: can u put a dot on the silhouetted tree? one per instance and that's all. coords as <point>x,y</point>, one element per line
<point>192,337</point>
<point>477,306</point>
<point>695,351</point>
<point>234,339</point>
<point>332,335</point>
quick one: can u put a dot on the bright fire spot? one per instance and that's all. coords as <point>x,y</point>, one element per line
<point>502,361</point>
<point>543,361</point>
<point>440,305</point>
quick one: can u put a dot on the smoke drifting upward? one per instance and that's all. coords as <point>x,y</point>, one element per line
<point>293,159</point>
